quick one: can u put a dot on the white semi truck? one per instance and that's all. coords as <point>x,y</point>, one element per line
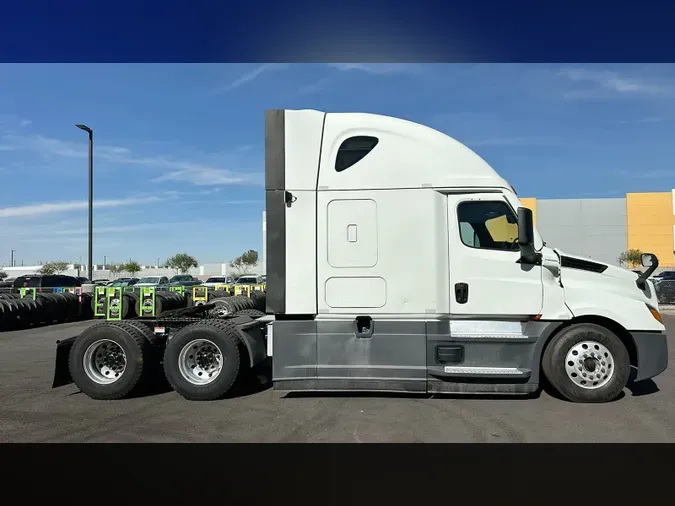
<point>360,208</point>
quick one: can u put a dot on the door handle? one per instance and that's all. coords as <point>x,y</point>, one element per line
<point>461,293</point>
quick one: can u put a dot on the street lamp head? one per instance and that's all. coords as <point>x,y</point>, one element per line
<point>84,127</point>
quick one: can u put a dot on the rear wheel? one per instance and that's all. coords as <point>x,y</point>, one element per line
<point>107,360</point>
<point>587,363</point>
<point>202,361</point>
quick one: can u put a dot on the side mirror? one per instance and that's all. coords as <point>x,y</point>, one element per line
<point>528,255</point>
<point>651,262</point>
<point>525,227</point>
<point>647,259</point>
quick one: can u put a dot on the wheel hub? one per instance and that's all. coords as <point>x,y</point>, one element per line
<point>589,364</point>
<point>104,362</point>
<point>200,362</point>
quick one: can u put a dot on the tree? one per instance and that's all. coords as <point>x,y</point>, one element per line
<point>632,258</point>
<point>132,268</point>
<point>3,275</point>
<point>244,262</point>
<point>115,269</point>
<point>54,267</point>
<point>182,262</point>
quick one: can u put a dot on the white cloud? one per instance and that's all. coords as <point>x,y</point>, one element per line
<point>379,68</point>
<point>74,205</point>
<point>253,75</point>
<point>181,170</point>
<point>209,176</point>
<point>606,83</point>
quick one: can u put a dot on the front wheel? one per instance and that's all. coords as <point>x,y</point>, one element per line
<point>202,361</point>
<point>587,363</point>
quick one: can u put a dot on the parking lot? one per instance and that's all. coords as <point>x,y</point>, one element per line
<point>30,411</point>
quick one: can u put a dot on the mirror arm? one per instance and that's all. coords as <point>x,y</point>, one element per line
<point>641,281</point>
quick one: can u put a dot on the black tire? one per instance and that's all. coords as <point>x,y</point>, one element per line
<point>159,305</point>
<point>133,343</point>
<point>253,313</point>
<point>243,302</point>
<point>259,300</point>
<point>554,363</point>
<point>226,338</point>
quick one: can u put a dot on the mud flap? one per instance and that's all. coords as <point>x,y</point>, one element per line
<point>61,369</point>
<point>253,336</point>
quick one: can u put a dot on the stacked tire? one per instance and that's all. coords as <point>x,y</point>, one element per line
<point>259,300</point>
<point>226,306</point>
<point>18,312</point>
<point>164,301</point>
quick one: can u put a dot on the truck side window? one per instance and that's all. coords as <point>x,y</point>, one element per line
<point>488,225</point>
<point>353,150</point>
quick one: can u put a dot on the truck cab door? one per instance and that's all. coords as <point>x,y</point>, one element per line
<point>487,278</point>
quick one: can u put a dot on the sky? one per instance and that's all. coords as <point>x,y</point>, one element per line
<point>179,148</point>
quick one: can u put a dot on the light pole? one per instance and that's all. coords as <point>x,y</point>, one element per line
<point>90,252</point>
<point>11,263</point>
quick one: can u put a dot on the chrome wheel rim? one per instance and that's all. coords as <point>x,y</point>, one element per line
<point>104,362</point>
<point>200,362</point>
<point>589,365</point>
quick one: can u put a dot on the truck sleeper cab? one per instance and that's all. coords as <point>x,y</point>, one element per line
<point>397,260</point>
<point>360,207</point>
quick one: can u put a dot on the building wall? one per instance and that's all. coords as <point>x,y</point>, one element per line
<point>651,224</point>
<point>592,228</point>
<point>202,272</point>
<point>531,204</point>
<point>602,229</point>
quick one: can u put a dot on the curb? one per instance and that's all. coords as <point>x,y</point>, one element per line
<point>667,308</point>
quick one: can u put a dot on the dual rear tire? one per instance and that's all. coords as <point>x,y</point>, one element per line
<point>202,361</point>
<point>114,360</point>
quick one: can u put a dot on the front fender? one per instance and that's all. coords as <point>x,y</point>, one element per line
<point>631,314</point>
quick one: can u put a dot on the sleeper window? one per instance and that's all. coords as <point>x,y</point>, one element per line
<point>488,225</point>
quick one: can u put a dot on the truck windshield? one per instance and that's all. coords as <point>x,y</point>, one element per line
<point>215,280</point>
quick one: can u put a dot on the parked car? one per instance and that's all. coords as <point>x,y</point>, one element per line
<point>122,282</point>
<point>83,280</point>
<point>214,281</point>
<point>184,280</point>
<point>665,275</point>
<point>46,281</point>
<point>250,280</point>
<point>157,282</point>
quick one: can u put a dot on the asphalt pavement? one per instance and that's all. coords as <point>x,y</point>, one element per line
<point>30,411</point>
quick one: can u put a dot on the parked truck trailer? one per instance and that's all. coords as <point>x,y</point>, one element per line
<point>360,208</point>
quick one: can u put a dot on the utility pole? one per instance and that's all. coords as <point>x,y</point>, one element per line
<point>11,262</point>
<point>90,256</point>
